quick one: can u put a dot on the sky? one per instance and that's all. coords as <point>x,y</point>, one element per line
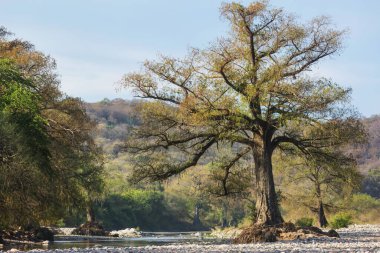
<point>95,42</point>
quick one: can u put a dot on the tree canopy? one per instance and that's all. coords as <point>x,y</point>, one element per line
<point>48,160</point>
<point>250,89</point>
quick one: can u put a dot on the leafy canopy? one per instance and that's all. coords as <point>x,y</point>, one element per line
<point>250,89</point>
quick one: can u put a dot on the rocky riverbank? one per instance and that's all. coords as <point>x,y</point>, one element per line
<point>357,238</point>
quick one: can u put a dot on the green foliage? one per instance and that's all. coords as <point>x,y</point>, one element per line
<point>48,161</point>
<point>304,222</point>
<point>139,208</point>
<point>23,144</point>
<point>364,208</point>
<point>246,222</point>
<point>340,220</point>
<point>371,183</point>
<point>362,202</point>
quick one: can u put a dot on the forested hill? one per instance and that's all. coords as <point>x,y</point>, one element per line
<point>115,118</point>
<point>368,156</point>
<point>117,111</point>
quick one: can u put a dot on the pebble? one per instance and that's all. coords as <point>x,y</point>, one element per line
<point>357,238</point>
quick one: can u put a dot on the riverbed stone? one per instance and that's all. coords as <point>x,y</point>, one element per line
<point>333,233</point>
<point>44,234</point>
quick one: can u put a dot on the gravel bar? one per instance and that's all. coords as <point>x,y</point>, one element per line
<point>356,238</point>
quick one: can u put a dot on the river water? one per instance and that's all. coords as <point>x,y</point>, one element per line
<point>147,238</point>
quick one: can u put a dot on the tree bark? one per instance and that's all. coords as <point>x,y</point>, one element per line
<point>90,213</point>
<point>268,211</point>
<point>321,215</point>
<point>224,216</point>
<point>321,212</point>
<point>196,220</point>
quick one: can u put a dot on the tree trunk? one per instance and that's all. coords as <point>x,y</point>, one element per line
<point>321,216</point>
<point>90,213</point>
<point>321,212</point>
<point>224,216</point>
<point>268,211</point>
<point>196,220</point>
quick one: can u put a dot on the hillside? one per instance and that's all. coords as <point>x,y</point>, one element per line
<point>116,117</point>
<point>368,155</point>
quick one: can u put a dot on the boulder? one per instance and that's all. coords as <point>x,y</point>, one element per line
<point>128,232</point>
<point>44,234</point>
<point>333,233</point>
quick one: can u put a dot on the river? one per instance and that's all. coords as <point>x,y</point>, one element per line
<point>147,238</point>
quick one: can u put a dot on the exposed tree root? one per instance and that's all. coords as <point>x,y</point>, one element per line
<point>284,231</point>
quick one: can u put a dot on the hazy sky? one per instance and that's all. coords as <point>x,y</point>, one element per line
<point>95,42</point>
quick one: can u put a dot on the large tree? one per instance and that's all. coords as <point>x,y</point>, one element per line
<point>249,90</point>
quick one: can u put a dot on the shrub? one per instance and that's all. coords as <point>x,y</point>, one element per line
<point>245,222</point>
<point>341,220</point>
<point>304,222</point>
<point>364,202</point>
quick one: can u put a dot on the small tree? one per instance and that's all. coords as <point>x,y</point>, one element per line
<point>323,180</point>
<point>249,89</point>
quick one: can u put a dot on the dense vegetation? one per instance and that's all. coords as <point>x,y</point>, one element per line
<point>48,161</point>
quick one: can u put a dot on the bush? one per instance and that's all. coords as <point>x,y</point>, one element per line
<point>364,202</point>
<point>304,222</point>
<point>364,208</point>
<point>246,222</point>
<point>341,220</point>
